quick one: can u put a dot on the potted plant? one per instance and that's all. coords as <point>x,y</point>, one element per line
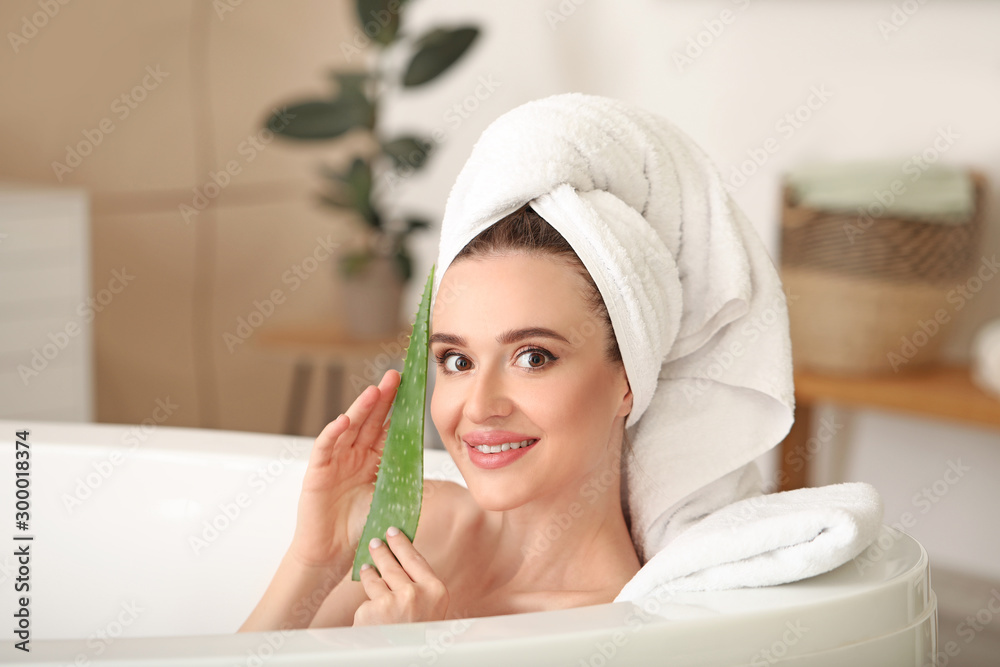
<point>380,264</point>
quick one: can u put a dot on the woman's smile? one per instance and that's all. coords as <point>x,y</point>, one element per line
<point>496,449</point>
<point>499,456</point>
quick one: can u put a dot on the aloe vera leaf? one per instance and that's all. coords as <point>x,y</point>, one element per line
<point>399,484</point>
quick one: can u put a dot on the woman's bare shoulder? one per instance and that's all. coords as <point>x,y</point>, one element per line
<point>446,507</point>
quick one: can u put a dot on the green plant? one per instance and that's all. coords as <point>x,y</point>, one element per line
<point>399,485</point>
<point>354,104</point>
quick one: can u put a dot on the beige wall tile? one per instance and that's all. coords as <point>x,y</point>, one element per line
<point>69,81</point>
<point>144,347</point>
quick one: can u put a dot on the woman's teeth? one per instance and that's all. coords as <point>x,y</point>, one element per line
<point>496,449</point>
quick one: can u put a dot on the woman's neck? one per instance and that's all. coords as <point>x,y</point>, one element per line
<point>574,540</point>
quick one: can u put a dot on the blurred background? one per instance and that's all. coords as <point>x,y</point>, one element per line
<point>211,216</point>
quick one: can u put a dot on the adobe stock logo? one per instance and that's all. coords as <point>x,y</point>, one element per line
<point>219,180</point>
<point>712,30</point>
<point>122,107</point>
<point>786,126</point>
<point>30,28</point>
<point>61,338</point>
<point>958,296</point>
<point>900,16</point>
<point>914,167</point>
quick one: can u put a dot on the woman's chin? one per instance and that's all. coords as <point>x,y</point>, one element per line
<point>490,494</point>
<point>494,499</point>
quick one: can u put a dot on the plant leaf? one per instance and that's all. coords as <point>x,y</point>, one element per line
<point>351,84</point>
<point>399,486</point>
<point>404,263</point>
<point>407,151</point>
<point>359,183</point>
<point>413,224</point>
<point>379,15</point>
<point>353,190</point>
<point>437,51</point>
<point>323,119</point>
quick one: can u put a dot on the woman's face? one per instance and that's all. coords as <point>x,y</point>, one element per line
<point>520,356</point>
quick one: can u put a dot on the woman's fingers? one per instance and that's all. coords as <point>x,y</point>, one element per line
<point>404,564</point>
<point>359,411</point>
<point>363,419</point>
<point>371,429</point>
<point>327,438</point>
<point>388,567</point>
<point>373,584</point>
<point>362,423</point>
<point>397,595</point>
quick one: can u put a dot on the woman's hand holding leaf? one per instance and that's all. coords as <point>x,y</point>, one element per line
<point>338,484</point>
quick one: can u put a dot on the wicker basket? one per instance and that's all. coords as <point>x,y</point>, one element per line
<point>871,296</point>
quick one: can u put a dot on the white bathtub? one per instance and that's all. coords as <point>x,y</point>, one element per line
<point>117,577</point>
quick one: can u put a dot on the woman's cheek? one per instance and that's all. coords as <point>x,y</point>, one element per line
<point>436,415</point>
<point>444,411</point>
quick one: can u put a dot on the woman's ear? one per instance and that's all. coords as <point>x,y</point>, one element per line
<point>626,406</point>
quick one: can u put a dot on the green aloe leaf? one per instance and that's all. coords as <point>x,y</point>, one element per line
<point>399,485</point>
<point>437,51</point>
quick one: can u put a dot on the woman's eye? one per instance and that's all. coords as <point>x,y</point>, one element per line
<point>533,359</point>
<point>445,361</point>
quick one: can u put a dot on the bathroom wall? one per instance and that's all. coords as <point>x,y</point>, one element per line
<point>824,80</point>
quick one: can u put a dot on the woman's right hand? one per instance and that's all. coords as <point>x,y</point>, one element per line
<point>339,480</point>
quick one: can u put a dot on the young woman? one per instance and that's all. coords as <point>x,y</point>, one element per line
<point>594,279</point>
<point>530,400</point>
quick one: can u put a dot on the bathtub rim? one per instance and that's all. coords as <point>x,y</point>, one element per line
<point>310,641</point>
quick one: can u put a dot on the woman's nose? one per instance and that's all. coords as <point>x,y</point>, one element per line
<point>487,396</point>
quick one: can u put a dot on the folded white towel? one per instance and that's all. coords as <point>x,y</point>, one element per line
<point>764,541</point>
<point>744,482</point>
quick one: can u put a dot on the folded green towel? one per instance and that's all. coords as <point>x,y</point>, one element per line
<point>937,193</point>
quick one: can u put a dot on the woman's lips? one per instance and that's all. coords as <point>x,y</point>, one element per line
<point>500,459</point>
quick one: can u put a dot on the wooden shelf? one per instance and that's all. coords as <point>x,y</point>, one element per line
<point>945,392</point>
<point>939,392</point>
<point>328,341</point>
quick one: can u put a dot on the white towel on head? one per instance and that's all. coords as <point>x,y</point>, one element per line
<point>694,299</point>
<point>764,541</point>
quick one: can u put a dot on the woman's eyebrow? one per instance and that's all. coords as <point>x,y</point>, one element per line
<point>506,338</point>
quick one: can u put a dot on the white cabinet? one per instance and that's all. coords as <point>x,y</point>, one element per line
<point>46,318</point>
